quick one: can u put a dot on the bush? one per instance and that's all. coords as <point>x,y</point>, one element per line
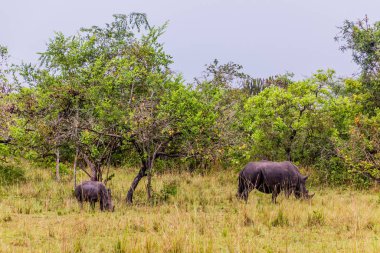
<point>11,175</point>
<point>168,190</point>
<point>337,173</point>
<point>333,171</point>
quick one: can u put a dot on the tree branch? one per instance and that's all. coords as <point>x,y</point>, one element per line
<point>85,171</point>
<point>101,133</point>
<point>368,175</point>
<point>171,155</point>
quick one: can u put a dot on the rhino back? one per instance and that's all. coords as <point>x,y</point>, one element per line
<point>277,172</point>
<point>250,171</point>
<point>90,190</point>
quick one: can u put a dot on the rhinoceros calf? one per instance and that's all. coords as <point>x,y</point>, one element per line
<point>272,177</point>
<point>94,191</point>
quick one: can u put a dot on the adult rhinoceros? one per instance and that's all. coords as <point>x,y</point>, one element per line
<point>94,191</point>
<point>272,177</point>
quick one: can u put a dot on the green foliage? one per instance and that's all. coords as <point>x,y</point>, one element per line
<point>6,103</point>
<point>361,151</point>
<point>363,39</point>
<point>169,189</point>
<point>286,123</point>
<point>89,85</point>
<point>359,148</point>
<point>332,170</point>
<point>10,174</point>
<point>5,84</point>
<point>107,95</point>
<point>64,169</point>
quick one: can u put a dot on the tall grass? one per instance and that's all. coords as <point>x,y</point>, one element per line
<point>190,213</point>
<point>10,174</point>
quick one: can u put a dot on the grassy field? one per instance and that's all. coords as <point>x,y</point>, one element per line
<point>192,213</point>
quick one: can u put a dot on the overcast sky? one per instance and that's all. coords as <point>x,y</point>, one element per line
<point>266,36</point>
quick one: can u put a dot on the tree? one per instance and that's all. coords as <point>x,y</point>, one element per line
<point>227,76</point>
<point>363,39</point>
<point>223,88</point>
<point>361,152</point>
<point>359,149</point>
<point>110,88</point>
<point>253,86</point>
<point>6,105</point>
<point>180,121</point>
<point>156,130</point>
<point>83,84</point>
<point>41,129</point>
<point>289,123</point>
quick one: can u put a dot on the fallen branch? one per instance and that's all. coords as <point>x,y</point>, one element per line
<point>368,175</point>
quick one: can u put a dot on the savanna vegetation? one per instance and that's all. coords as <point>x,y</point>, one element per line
<point>105,105</point>
<point>190,213</point>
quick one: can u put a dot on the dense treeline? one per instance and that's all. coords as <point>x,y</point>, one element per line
<point>107,96</point>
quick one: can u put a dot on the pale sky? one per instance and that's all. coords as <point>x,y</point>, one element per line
<point>267,37</point>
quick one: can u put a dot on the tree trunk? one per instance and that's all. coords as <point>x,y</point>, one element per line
<point>288,154</point>
<point>149,185</point>
<point>77,148</point>
<point>57,175</point>
<point>95,168</point>
<point>140,175</point>
<point>147,165</point>
<point>288,149</point>
<point>75,168</point>
<point>99,175</point>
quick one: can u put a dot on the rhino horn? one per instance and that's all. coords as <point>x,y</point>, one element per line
<point>305,177</point>
<point>311,196</point>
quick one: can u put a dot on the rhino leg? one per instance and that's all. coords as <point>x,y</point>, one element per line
<point>80,200</point>
<point>274,196</point>
<point>244,188</point>
<point>92,204</point>
<point>275,193</point>
<point>101,205</point>
<point>288,192</point>
<point>244,195</point>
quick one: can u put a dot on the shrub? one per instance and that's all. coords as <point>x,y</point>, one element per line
<point>11,175</point>
<point>169,189</point>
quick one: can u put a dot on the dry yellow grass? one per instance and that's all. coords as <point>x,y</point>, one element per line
<point>204,216</point>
